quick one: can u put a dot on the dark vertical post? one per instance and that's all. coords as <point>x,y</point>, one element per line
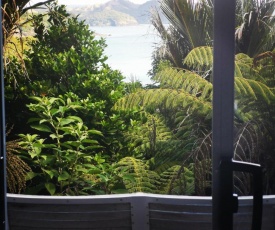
<point>3,211</point>
<point>223,112</point>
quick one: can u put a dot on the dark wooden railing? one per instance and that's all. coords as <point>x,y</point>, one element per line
<point>126,212</point>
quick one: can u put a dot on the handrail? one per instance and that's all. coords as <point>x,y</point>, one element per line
<point>145,211</point>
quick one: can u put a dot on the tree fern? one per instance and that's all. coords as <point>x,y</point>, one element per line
<point>265,64</point>
<point>199,58</point>
<point>181,109</point>
<point>177,180</point>
<point>146,136</point>
<point>167,98</point>
<point>145,180</point>
<point>186,80</point>
<point>248,81</point>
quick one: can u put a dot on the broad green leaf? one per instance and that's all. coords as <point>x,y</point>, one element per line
<point>103,178</point>
<point>73,143</point>
<point>33,120</point>
<point>64,176</point>
<point>76,107</point>
<point>53,136</point>
<point>90,141</point>
<point>66,121</point>
<point>75,118</point>
<point>53,99</point>
<point>39,99</point>
<point>54,111</point>
<point>67,130</point>
<point>42,121</point>
<point>96,132</point>
<point>129,177</point>
<point>51,188</point>
<point>35,152</point>
<point>49,172</point>
<point>93,147</point>
<point>31,175</point>
<point>94,171</point>
<point>42,128</point>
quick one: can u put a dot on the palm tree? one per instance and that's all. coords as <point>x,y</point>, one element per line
<point>15,16</point>
<point>256,34</point>
<point>13,11</point>
<point>191,26</point>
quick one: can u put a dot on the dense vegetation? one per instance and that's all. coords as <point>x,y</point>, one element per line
<point>82,130</point>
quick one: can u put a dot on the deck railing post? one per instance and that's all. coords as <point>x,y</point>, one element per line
<point>3,201</point>
<point>140,213</point>
<point>223,112</point>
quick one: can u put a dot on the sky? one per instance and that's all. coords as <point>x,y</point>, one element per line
<point>88,2</point>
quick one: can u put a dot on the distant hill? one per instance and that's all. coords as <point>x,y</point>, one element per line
<point>115,13</point>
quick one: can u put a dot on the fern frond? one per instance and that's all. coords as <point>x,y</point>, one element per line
<point>165,98</point>
<point>244,68</point>
<point>170,152</point>
<point>167,177</point>
<point>145,180</point>
<point>146,136</point>
<point>252,88</point>
<point>199,58</point>
<point>177,180</point>
<point>186,80</point>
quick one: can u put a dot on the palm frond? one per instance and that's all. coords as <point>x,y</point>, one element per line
<point>192,20</point>
<point>248,147</point>
<point>256,34</point>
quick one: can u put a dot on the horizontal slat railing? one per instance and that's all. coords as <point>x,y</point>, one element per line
<point>126,212</point>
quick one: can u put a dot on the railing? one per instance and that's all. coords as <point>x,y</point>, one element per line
<point>126,212</point>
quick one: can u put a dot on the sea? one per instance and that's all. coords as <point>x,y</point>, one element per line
<point>129,49</point>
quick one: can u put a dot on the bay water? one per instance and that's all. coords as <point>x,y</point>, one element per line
<point>129,49</point>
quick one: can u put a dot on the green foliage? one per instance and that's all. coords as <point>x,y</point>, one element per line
<point>69,58</point>
<point>177,180</point>
<point>183,104</point>
<point>107,178</point>
<point>85,138</point>
<point>188,81</point>
<point>145,137</point>
<point>66,149</point>
<point>199,58</point>
<point>191,26</point>
<point>14,18</point>
<point>255,33</point>
<point>145,180</point>
<point>66,57</point>
<point>164,99</point>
